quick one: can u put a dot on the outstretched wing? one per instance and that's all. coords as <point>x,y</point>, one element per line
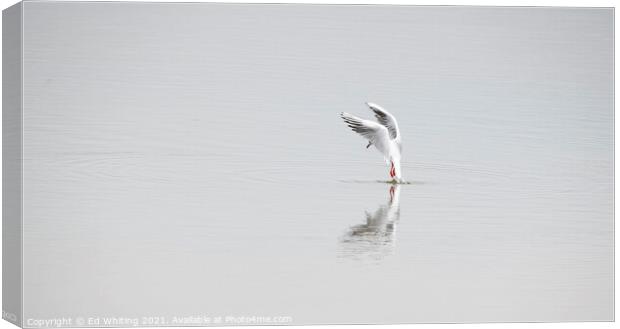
<point>377,134</point>
<point>386,119</point>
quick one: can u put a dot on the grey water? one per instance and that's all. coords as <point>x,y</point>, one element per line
<point>188,159</point>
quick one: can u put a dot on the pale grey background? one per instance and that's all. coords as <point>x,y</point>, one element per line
<point>186,159</point>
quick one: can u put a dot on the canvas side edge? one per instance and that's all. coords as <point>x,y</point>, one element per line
<point>12,91</point>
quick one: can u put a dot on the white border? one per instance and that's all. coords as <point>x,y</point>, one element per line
<point>503,3</point>
<point>562,3</point>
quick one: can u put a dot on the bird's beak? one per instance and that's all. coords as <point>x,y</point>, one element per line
<point>369,143</point>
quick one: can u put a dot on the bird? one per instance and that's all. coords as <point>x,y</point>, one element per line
<point>382,222</point>
<point>376,237</point>
<point>383,134</point>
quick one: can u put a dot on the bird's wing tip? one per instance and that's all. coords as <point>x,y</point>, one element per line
<point>372,105</point>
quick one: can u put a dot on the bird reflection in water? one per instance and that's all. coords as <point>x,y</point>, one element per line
<point>376,238</point>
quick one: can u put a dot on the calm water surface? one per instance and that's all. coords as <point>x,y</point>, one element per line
<point>201,167</point>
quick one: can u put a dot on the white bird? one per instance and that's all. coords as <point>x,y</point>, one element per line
<point>382,222</point>
<point>384,135</point>
<point>375,238</point>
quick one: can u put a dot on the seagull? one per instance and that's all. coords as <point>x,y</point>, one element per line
<point>383,134</point>
<point>382,222</point>
<point>376,237</point>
